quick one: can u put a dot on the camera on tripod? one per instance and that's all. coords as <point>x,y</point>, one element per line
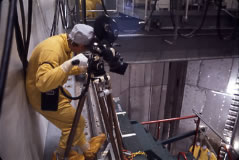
<point>101,48</point>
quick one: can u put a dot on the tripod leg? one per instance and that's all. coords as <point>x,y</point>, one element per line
<point>107,124</point>
<point>74,125</point>
<point>112,112</point>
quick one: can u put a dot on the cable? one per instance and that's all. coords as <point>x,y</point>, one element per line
<point>7,49</point>
<point>29,28</point>
<point>63,17</point>
<point>218,24</point>
<point>71,12</point>
<point>151,13</point>
<point>103,6</point>
<point>23,40</point>
<point>59,11</point>
<point>68,6</point>
<point>68,96</point>
<point>53,23</point>
<point>23,19</point>
<point>19,40</point>
<point>55,19</point>
<point>195,31</point>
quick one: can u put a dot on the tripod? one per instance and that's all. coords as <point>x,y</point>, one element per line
<point>102,88</point>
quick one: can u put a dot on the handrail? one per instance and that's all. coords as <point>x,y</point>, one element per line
<point>227,150</point>
<point>168,120</point>
<point>100,10</point>
<point>183,154</point>
<point>197,128</point>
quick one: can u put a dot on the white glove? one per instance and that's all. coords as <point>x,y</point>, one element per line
<point>82,59</point>
<point>67,65</point>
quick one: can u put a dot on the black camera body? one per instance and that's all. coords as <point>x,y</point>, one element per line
<point>106,32</point>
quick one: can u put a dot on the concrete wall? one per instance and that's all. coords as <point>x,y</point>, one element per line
<point>142,91</point>
<point>23,131</point>
<point>207,90</point>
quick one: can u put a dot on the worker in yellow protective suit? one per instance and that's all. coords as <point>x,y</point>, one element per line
<point>49,66</point>
<point>91,5</point>
<point>206,154</point>
<point>202,153</point>
<point>196,149</point>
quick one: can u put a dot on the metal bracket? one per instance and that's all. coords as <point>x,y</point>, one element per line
<point>105,92</point>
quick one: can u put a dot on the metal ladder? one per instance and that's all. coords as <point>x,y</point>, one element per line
<point>232,117</point>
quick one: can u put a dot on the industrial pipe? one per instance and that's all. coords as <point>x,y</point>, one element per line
<point>179,137</point>
<point>83,6</point>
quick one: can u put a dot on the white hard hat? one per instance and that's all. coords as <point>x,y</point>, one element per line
<point>81,34</point>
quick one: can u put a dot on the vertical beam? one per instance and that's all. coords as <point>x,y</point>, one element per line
<point>146,10</point>
<point>174,99</point>
<point>177,16</point>
<point>77,3</point>
<point>83,7</point>
<point>196,135</point>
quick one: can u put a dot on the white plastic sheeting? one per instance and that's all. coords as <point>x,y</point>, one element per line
<point>22,130</point>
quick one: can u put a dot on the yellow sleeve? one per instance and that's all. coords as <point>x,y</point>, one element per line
<point>47,77</point>
<point>213,157</point>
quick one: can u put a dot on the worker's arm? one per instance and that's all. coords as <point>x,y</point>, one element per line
<point>50,74</point>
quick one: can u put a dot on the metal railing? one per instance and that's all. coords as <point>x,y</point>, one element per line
<point>197,115</point>
<point>176,119</point>
<point>166,120</point>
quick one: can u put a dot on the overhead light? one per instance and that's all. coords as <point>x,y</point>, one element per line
<point>232,87</point>
<point>221,93</point>
<point>236,145</point>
